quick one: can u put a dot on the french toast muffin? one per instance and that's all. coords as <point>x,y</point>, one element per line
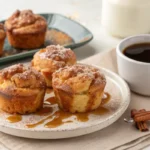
<point>50,59</point>
<point>2,38</point>
<point>78,88</point>
<point>26,30</point>
<point>22,89</point>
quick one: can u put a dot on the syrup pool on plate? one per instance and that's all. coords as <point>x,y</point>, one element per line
<point>14,118</point>
<point>57,119</point>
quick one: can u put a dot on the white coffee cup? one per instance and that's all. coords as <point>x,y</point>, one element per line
<point>136,73</point>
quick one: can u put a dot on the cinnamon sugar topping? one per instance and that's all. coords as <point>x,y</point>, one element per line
<point>10,71</point>
<point>22,76</point>
<point>25,18</point>
<point>58,53</point>
<point>81,71</point>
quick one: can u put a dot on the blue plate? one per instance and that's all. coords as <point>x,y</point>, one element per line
<point>61,30</point>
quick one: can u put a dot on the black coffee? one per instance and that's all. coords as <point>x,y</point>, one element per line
<point>139,52</point>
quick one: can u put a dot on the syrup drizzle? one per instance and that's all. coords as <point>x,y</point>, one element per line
<point>58,118</point>
<point>51,100</point>
<point>40,122</point>
<point>49,90</point>
<point>105,98</point>
<point>14,118</point>
<point>44,111</point>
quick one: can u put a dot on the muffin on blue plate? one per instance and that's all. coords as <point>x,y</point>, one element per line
<point>26,30</point>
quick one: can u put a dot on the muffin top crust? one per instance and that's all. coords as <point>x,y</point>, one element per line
<point>57,53</point>
<point>25,22</point>
<point>2,31</point>
<point>78,78</point>
<point>54,56</point>
<point>21,76</point>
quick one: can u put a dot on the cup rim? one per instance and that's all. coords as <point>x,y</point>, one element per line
<point>119,52</point>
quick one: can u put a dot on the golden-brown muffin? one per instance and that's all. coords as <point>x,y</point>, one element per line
<point>2,38</point>
<point>78,88</point>
<point>50,59</point>
<point>22,89</point>
<point>26,30</point>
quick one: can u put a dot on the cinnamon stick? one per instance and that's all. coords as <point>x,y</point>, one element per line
<point>136,115</point>
<point>142,126</point>
<point>142,117</point>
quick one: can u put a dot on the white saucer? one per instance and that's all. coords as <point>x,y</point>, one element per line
<point>120,99</point>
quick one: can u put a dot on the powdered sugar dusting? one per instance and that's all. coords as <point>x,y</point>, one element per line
<point>80,70</point>
<point>20,75</point>
<point>24,18</point>
<point>57,53</point>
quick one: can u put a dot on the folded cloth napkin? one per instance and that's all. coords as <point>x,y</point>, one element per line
<point>118,136</point>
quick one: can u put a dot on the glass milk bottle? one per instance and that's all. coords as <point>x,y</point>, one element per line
<point>124,18</point>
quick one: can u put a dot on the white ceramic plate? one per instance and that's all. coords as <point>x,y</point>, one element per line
<point>120,99</point>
